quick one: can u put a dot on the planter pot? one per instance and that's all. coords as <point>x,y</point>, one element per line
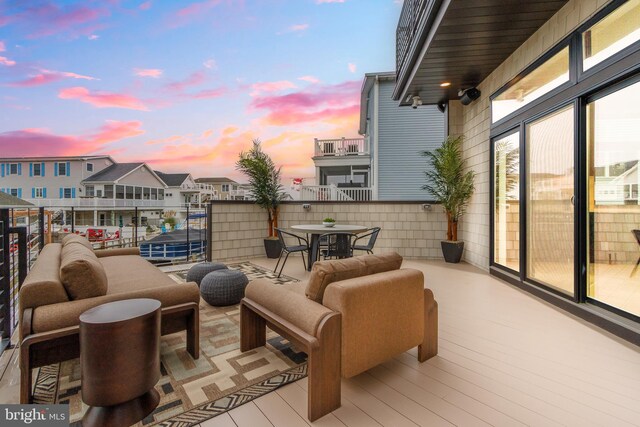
<point>452,251</point>
<point>272,247</point>
<point>329,224</point>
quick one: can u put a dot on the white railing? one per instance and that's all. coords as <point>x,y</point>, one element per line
<point>333,193</point>
<point>111,203</point>
<point>341,147</point>
<point>207,189</point>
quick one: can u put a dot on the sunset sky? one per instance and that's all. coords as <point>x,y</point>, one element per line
<point>184,85</point>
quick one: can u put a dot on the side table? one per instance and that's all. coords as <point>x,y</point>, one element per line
<point>120,361</point>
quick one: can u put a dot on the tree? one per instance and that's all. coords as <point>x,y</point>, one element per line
<point>264,182</point>
<point>448,183</point>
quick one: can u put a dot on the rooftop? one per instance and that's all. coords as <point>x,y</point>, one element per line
<point>172,179</point>
<point>113,172</point>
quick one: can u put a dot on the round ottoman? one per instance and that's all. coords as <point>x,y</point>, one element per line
<point>223,287</point>
<point>198,271</point>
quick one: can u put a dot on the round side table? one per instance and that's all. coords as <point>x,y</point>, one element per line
<point>120,361</point>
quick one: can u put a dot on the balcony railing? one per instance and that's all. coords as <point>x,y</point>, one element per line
<point>412,13</point>
<point>341,147</point>
<point>333,193</point>
<point>101,203</point>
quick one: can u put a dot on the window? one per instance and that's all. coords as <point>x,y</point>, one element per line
<point>145,193</point>
<point>129,192</point>
<point>225,188</point>
<point>618,30</point>
<point>67,193</point>
<point>62,169</point>
<point>507,201</point>
<point>108,191</point>
<point>15,192</point>
<point>138,193</point>
<point>120,192</point>
<point>37,169</point>
<point>38,193</point>
<point>154,194</point>
<point>160,194</point>
<point>14,168</point>
<point>90,190</point>
<point>89,167</point>
<point>548,76</point>
<point>99,193</point>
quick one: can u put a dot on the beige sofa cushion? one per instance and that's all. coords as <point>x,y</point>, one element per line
<point>74,238</point>
<point>126,273</point>
<point>81,273</point>
<point>42,285</point>
<point>324,273</point>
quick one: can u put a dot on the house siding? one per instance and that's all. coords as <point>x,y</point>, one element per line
<point>403,133</point>
<point>476,120</point>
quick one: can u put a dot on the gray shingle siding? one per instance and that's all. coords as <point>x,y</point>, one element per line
<point>403,133</point>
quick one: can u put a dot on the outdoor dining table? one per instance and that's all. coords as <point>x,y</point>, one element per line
<point>316,230</point>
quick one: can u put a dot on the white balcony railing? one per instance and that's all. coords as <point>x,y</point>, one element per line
<point>341,147</point>
<point>97,203</point>
<point>333,193</point>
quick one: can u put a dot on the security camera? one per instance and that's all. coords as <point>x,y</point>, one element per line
<point>467,96</point>
<point>416,102</point>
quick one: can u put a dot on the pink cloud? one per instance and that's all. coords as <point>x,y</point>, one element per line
<point>194,79</point>
<point>329,1</point>
<point>146,5</point>
<point>49,76</point>
<point>40,142</point>
<point>271,87</point>
<point>352,67</point>
<point>6,61</point>
<point>207,93</point>
<point>298,27</point>
<point>103,99</point>
<point>93,37</point>
<point>191,12</point>
<point>47,18</point>
<point>2,46</point>
<point>310,79</point>
<point>148,72</point>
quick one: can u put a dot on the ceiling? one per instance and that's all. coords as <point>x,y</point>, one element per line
<point>471,40</point>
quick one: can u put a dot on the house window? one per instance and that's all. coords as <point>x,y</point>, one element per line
<point>62,169</point>
<point>108,191</point>
<point>160,194</point>
<point>14,168</point>
<point>548,76</point>
<point>89,167</point>
<point>119,191</point>
<point>129,192</point>
<point>225,188</point>
<point>90,190</point>
<point>138,193</point>
<point>37,169</point>
<point>14,192</point>
<point>38,193</point>
<point>145,193</point>
<point>618,30</point>
<point>67,193</point>
<point>154,194</point>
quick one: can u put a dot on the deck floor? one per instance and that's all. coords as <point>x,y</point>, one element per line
<point>505,359</point>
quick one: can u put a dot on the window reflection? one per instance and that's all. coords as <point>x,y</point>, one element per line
<point>507,201</point>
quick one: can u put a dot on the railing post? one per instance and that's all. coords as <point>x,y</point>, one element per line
<point>209,232</point>
<point>5,278</point>
<point>188,240</point>
<point>41,215</point>
<point>73,220</point>
<point>23,252</point>
<point>135,227</point>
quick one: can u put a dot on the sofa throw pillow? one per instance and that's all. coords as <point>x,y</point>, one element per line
<point>81,273</point>
<point>74,238</point>
<point>324,273</point>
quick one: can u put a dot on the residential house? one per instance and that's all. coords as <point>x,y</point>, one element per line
<point>226,188</point>
<point>183,190</point>
<point>386,164</point>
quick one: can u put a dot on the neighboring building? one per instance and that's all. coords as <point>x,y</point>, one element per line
<point>226,188</point>
<point>9,201</point>
<point>546,94</point>
<point>182,189</point>
<point>386,164</point>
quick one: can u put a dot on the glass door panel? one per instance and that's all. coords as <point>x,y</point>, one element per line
<point>507,201</point>
<point>549,203</point>
<point>613,141</point>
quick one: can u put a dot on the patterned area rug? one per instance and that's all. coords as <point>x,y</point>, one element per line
<point>193,391</point>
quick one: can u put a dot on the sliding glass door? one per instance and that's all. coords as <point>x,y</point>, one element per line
<point>613,147</point>
<point>550,199</point>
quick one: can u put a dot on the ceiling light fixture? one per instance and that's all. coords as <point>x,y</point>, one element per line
<point>445,84</point>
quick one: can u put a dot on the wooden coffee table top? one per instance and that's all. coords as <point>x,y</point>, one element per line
<point>119,311</point>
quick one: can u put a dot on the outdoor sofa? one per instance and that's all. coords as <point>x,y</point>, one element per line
<point>69,278</point>
<point>352,315</point>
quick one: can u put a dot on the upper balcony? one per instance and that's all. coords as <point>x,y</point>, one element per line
<point>341,147</point>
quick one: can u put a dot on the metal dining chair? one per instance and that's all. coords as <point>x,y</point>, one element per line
<point>636,234</point>
<point>372,234</point>
<point>338,245</point>
<point>289,249</point>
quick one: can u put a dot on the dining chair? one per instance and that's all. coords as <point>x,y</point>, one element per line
<point>289,249</point>
<point>372,234</point>
<point>636,234</point>
<point>338,245</point>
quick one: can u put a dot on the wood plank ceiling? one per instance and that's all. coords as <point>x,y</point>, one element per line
<point>473,38</point>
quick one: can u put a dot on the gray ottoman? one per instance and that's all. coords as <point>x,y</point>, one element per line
<point>223,287</point>
<point>198,271</point>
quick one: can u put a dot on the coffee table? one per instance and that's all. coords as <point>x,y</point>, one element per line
<point>120,361</point>
<point>316,230</point>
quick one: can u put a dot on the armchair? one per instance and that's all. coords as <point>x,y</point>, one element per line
<point>352,315</point>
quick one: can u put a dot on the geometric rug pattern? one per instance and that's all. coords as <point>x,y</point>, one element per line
<point>192,391</point>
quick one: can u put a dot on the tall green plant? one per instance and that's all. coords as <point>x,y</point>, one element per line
<point>448,183</point>
<point>264,181</point>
